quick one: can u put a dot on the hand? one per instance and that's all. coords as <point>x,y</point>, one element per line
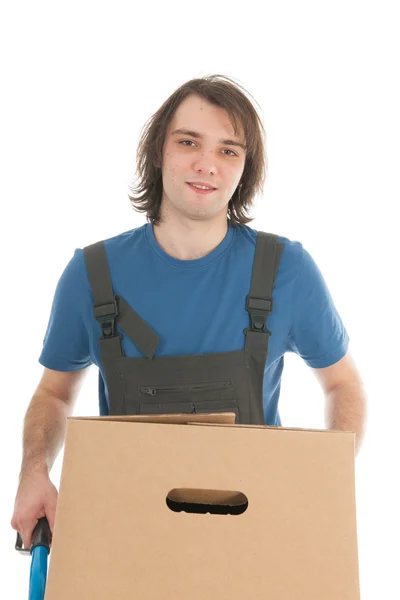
<point>36,497</point>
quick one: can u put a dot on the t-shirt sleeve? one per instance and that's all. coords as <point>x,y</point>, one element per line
<point>317,333</point>
<point>66,344</point>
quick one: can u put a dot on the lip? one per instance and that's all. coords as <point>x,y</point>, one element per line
<point>200,192</point>
<point>202,183</point>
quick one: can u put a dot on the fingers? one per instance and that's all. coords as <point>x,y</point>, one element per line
<point>36,498</point>
<point>51,515</point>
<point>26,530</point>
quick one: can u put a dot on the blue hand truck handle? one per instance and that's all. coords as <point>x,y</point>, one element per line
<point>41,536</point>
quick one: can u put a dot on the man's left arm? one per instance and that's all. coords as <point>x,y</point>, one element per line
<point>345,398</point>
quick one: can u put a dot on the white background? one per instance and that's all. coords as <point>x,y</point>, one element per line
<point>80,79</point>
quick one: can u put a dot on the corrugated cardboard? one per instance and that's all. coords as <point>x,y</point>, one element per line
<point>121,533</point>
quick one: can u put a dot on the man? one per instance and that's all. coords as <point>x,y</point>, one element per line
<point>174,312</point>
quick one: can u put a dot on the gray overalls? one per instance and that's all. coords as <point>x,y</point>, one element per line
<point>197,383</point>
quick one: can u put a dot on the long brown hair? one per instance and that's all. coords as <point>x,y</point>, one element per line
<point>220,91</point>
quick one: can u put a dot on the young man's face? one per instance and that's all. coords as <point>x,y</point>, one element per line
<point>206,158</point>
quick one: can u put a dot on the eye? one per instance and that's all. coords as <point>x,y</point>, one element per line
<point>225,149</point>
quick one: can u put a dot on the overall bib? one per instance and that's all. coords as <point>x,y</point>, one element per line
<point>197,383</point>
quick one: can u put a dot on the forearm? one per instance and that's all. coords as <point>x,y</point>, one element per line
<point>346,410</point>
<point>44,432</point>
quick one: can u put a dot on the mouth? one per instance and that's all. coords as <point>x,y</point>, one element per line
<point>200,190</point>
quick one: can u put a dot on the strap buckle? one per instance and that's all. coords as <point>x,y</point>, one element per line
<point>106,314</point>
<point>259,305</point>
<point>259,309</point>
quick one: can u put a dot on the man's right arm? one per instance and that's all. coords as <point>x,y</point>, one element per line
<point>43,436</point>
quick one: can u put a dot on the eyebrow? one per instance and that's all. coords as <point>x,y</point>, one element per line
<point>195,134</point>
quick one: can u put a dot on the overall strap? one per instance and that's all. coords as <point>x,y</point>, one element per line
<point>259,301</point>
<point>110,309</point>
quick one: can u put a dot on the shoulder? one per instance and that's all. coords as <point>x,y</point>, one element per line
<point>117,244</point>
<point>124,240</point>
<point>119,248</point>
<point>293,252</point>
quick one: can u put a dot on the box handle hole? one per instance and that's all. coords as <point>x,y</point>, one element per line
<point>201,501</point>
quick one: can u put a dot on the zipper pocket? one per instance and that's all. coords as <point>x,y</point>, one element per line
<point>195,387</point>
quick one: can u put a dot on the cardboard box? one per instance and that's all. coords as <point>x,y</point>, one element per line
<point>268,513</point>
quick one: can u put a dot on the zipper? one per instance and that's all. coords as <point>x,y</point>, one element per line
<point>195,387</point>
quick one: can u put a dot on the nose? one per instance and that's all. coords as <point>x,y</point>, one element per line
<point>205,163</point>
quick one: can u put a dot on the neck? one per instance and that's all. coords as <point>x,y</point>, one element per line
<point>187,239</point>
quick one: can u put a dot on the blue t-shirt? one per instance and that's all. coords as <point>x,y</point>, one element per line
<point>197,306</point>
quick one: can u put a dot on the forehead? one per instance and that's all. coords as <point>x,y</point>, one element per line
<point>196,113</point>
